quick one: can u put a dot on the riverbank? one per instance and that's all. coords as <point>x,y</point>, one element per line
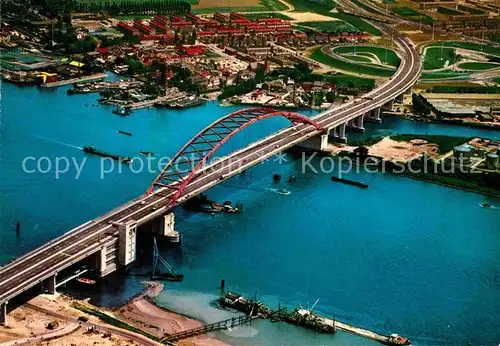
<point>28,325</point>
<point>75,80</point>
<point>142,312</point>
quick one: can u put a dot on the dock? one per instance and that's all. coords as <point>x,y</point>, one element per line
<point>303,317</point>
<point>75,80</point>
<point>221,325</point>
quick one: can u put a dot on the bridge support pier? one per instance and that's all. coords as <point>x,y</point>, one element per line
<point>389,105</point>
<point>49,285</point>
<point>338,133</point>
<point>400,98</point>
<point>106,259</point>
<point>357,124</point>
<point>374,116</point>
<point>165,227</point>
<point>316,143</point>
<point>3,314</point>
<point>127,242</point>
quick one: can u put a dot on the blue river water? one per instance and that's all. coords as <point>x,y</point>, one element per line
<point>402,256</point>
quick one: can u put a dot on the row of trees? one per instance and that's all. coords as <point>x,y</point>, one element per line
<point>420,104</point>
<point>131,7</point>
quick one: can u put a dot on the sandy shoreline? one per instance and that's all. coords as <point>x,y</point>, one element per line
<point>28,323</point>
<point>141,311</point>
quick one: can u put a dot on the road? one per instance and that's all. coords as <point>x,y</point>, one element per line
<point>41,263</point>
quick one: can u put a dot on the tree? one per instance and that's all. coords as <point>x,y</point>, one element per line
<point>192,38</point>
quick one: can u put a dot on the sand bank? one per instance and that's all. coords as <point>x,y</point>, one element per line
<point>143,313</point>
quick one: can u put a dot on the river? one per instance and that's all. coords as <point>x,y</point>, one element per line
<point>401,256</point>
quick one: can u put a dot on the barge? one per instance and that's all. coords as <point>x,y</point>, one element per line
<point>93,150</point>
<point>350,182</point>
<point>126,133</point>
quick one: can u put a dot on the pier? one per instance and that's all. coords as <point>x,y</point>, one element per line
<point>303,317</point>
<point>221,325</point>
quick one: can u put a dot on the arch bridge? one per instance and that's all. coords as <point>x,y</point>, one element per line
<point>193,157</point>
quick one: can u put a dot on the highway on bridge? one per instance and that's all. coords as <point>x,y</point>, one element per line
<point>58,254</point>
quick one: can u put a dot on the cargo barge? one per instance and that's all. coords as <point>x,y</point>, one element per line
<point>350,182</point>
<point>93,150</point>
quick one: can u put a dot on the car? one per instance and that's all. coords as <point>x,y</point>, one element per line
<point>83,319</point>
<point>143,202</point>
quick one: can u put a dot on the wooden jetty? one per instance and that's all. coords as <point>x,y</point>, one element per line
<point>221,325</point>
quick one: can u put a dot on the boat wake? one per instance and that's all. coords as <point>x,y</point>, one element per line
<point>280,191</point>
<point>59,142</point>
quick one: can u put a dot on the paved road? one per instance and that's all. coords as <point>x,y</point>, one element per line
<point>86,239</point>
<point>102,327</point>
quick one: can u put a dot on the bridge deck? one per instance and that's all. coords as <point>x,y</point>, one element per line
<point>89,238</point>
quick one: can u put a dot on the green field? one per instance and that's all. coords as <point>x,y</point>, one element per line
<point>478,66</point>
<point>254,16</point>
<point>358,58</point>
<point>335,26</point>
<point>361,24</point>
<point>444,75</point>
<point>470,46</point>
<point>319,6</point>
<point>405,11</point>
<point>432,57</point>
<point>210,10</point>
<point>363,6</point>
<point>343,65</point>
<point>413,15</point>
<point>380,52</point>
<point>274,5</point>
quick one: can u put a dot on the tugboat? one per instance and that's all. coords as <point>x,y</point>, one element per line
<point>126,133</point>
<point>485,205</point>
<point>93,150</point>
<point>123,111</point>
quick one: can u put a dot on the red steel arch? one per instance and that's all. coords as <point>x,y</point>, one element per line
<point>178,173</point>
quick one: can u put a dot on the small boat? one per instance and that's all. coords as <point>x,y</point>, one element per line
<point>485,205</point>
<point>147,153</point>
<point>123,111</point>
<point>126,133</point>
<point>86,281</point>
<point>284,192</point>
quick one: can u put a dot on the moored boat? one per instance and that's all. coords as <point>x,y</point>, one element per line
<point>86,281</point>
<point>123,111</point>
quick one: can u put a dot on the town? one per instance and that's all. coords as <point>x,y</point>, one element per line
<point>400,96</point>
